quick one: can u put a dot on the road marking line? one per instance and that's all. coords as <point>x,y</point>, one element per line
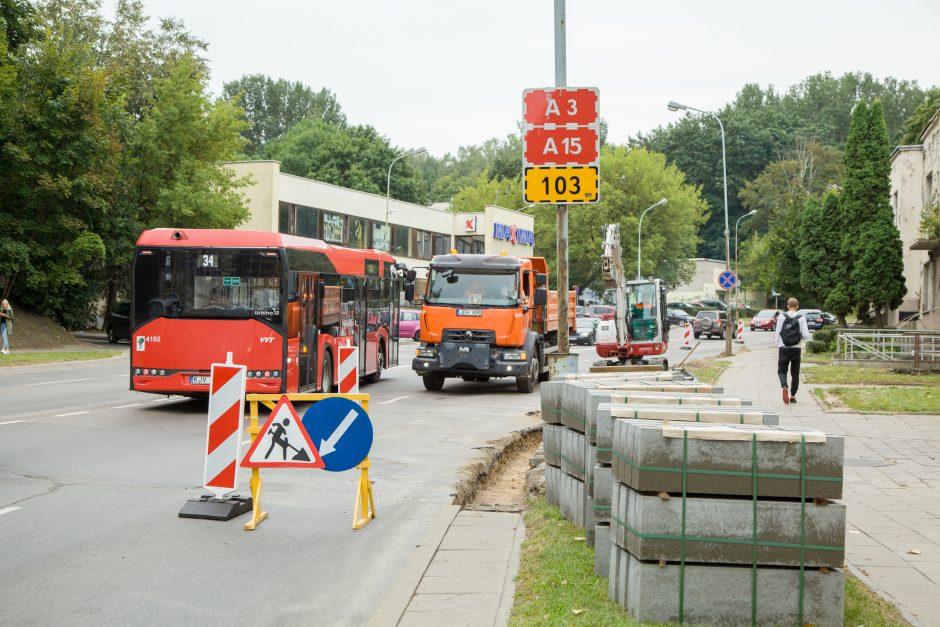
<point>126,406</point>
<point>7,510</point>
<point>74,413</point>
<point>11,422</point>
<point>29,385</point>
<point>122,375</point>
<point>394,400</point>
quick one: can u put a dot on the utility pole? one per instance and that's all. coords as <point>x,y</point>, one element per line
<point>561,213</point>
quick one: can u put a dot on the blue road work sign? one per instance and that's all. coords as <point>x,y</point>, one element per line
<point>727,280</point>
<point>342,432</point>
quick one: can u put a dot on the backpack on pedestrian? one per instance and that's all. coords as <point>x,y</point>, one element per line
<point>790,333</point>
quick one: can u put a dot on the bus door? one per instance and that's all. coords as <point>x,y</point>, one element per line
<point>308,340</point>
<point>366,352</point>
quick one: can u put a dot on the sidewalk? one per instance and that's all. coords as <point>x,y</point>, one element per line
<point>892,485</point>
<point>461,573</point>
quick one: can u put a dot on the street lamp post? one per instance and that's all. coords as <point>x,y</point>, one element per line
<point>675,106</point>
<point>388,193</point>
<point>736,223</point>
<point>639,234</point>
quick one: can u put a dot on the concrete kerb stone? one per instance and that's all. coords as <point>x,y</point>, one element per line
<point>603,491</point>
<point>721,595</point>
<point>602,544</point>
<point>648,526</point>
<point>648,462</point>
<point>551,443</point>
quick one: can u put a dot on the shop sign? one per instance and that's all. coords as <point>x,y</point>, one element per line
<point>513,234</point>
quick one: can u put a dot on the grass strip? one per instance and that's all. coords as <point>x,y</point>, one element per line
<point>708,369</point>
<point>851,375</point>
<point>914,400</point>
<point>49,357</point>
<point>556,584</point>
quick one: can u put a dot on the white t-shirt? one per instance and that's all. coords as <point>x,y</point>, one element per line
<point>804,330</point>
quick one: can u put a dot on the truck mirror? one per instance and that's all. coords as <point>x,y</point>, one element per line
<point>410,276</point>
<point>541,279</point>
<point>410,292</point>
<point>541,296</point>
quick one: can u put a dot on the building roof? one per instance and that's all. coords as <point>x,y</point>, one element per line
<point>908,148</point>
<point>930,125</point>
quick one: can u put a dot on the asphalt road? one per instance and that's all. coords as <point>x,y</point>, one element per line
<point>92,477</point>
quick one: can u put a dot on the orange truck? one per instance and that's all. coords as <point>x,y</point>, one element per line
<point>487,316</point>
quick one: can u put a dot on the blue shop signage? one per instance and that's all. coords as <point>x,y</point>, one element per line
<point>513,234</point>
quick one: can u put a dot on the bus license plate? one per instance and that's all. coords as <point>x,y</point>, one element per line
<point>475,313</point>
<point>199,380</point>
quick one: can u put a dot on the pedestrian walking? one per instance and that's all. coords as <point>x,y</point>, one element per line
<point>790,332</point>
<point>6,325</point>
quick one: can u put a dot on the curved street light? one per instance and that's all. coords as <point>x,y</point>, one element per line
<point>736,223</point>
<point>388,192</point>
<point>639,234</point>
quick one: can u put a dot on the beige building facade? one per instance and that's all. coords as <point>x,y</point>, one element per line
<point>413,233</point>
<point>915,173</point>
<point>704,282</point>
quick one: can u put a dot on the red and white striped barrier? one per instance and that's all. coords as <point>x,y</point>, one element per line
<point>741,331</point>
<point>223,440</point>
<point>687,337</point>
<point>348,376</point>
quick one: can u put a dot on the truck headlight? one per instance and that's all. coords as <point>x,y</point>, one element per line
<point>426,351</point>
<point>514,356</point>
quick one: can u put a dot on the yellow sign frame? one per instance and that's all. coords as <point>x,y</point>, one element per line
<point>581,184</point>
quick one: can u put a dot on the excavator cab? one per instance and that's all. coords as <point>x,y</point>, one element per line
<point>646,318</point>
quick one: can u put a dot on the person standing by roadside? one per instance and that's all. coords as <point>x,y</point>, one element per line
<point>790,332</point>
<point>6,325</point>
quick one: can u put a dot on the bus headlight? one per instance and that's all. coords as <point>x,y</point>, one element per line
<point>514,356</point>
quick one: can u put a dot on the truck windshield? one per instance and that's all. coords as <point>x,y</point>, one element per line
<point>473,287</point>
<point>206,283</point>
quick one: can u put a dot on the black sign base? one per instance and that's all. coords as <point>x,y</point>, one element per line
<point>211,508</point>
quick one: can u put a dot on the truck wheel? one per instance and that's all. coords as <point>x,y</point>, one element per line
<point>527,383</point>
<point>433,382</point>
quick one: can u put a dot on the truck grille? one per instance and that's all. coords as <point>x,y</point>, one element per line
<point>485,336</point>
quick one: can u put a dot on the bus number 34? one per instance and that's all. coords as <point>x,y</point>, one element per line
<point>561,185</point>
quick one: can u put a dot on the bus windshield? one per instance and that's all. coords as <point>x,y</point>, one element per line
<point>474,287</point>
<point>207,283</point>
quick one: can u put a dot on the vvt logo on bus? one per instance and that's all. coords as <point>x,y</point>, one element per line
<point>267,340</point>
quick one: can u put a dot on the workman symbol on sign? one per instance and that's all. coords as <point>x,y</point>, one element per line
<point>279,437</point>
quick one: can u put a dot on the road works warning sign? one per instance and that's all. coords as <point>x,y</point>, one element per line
<point>282,442</point>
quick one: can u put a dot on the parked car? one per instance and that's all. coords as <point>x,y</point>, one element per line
<point>765,320</point>
<point>118,323</point>
<point>580,311</point>
<point>677,317</point>
<point>604,312</point>
<point>710,303</point>
<point>587,331</point>
<point>814,318</point>
<point>409,324</point>
<point>686,307</point>
<point>829,318</point>
<point>711,323</point>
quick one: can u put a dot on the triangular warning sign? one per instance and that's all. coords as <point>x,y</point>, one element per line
<point>282,442</point>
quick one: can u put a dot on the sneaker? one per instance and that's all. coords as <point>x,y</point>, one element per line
<point>786,396</point>
<point>792,399</point>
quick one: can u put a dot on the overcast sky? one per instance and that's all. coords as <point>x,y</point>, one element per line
<point>442,74</point>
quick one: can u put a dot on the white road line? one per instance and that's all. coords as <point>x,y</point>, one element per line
<point>122,375</point>
<point>394,400</point>
<point>74,413</point>
<point>11,422</point>
<point>29,385</point>
<point>7,510</point>
<point>126,406</point>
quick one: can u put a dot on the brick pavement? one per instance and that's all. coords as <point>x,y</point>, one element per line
<point>892,484</point>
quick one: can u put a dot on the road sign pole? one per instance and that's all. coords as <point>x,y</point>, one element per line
<point>561,217</point>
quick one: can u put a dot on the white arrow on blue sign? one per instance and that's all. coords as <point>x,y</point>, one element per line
<point>342,432</point>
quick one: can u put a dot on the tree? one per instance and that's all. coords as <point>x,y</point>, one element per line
<point>820,244</point>
<point>272,107</point>
<point>633,180</point>
<point>356,157</point>
<point>487,191</point>
<point>915,125</point>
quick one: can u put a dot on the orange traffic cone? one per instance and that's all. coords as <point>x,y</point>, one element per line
<point>740,339</point>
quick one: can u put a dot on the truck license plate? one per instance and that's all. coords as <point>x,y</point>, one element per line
<point>474,313</point>
<point>198,380</point>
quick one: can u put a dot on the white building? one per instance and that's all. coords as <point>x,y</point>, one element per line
<point>703,284</point>
<point>915,178</point>
<point>412,233</point>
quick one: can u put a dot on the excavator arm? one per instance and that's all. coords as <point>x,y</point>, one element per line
<point>612,265</point>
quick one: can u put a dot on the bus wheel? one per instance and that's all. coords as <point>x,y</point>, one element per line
<point>527,383</point>
<point>326,379</point>
<point>380,361</point>
<point>433,381</point>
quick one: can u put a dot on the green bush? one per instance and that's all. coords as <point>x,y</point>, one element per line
<point>824,341</point>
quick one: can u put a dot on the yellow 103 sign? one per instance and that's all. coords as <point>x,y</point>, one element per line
<point>561,185</point>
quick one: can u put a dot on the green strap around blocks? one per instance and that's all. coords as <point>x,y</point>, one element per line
<point>724,473</point>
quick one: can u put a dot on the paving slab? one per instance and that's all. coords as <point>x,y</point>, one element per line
<point>603,488</point>
<point>602,549</point>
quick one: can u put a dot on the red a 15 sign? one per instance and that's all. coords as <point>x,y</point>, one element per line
<point>561,145</point>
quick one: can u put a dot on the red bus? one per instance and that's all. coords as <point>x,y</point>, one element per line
<point>280,304</point>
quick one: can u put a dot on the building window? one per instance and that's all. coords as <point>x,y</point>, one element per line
<point>441,244</point>
<point>470,244</point>
<point>283,217</point>
<point>380,236</point>
<point>306,221</point>
<point>422,246</point>
<point>358,236</point>
<point>401,241</point>
<point>333,228</point>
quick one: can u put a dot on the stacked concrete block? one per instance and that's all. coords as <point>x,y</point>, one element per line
<point>726,523</point>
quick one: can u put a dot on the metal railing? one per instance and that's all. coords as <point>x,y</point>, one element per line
<point>907,347</point>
